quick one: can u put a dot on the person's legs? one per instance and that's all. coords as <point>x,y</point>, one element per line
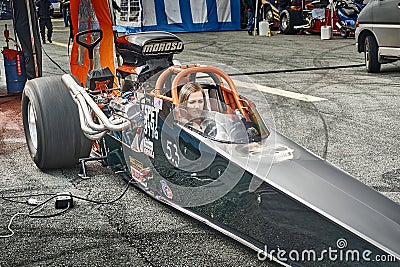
<point>42,24</point>
<point>68,19</point>
<point>250,21</point>
<point>49,26</point>
<point>65,17</point>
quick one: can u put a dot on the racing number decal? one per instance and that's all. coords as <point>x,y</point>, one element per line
<point>150,129</point>
<point>150,122</point>
<point>172,153</point>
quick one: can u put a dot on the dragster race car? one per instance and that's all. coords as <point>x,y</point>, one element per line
<point>238,175</point>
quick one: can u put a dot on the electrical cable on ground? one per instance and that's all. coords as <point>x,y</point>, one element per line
<point>10,223</point>
<point>40,206</point>
<point>52,60</point>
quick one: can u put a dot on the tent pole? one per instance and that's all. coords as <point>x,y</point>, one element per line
<point>28,8</point>
<point>255,19</point>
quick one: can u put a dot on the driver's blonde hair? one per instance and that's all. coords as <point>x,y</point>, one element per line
<point>188,89</point>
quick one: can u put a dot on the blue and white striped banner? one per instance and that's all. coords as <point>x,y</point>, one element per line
<point>183,16</point>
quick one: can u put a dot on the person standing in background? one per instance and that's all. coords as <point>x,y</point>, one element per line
<point>65,12</point>
<point>250,7</point>
<point>45,12</point>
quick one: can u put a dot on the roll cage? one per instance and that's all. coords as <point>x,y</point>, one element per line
<point>221,92</point>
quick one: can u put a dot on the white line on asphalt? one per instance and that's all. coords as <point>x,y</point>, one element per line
<point>266,89</point>
<point>14,140</point>
<point>280,92</point>
<point>60,44</point>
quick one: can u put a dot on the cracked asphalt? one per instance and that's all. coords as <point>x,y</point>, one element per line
<point>356,128</point>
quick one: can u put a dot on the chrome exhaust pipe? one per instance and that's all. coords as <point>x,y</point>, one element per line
<point>87,107</point>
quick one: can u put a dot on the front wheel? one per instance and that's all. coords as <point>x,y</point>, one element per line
<point>344,33</point>
<point>52,125</point>
<point>371,55</point>
<point>289,19</point>
<point>269,15</point>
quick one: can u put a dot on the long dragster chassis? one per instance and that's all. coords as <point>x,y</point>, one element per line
<point>239,176</point>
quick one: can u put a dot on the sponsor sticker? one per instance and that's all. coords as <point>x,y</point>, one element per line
<point>158,103</point>
<point>139,173</point>
<point>282,152</point>
<point>148,148</point>
<point>139,177</point>
<point>166,189</point>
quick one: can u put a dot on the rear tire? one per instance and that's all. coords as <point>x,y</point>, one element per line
<point>51,124</point>
<point>371,55</point>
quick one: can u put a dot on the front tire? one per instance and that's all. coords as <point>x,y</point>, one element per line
<point>289,19</point>
<point>344,33</point>
<point>51,124</point>
<point>269,15</point>
<point>371,55</point>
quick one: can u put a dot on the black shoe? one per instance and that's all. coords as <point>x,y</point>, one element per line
<point>44,41</point>
<point>250,32</point>
<point>50,41</point>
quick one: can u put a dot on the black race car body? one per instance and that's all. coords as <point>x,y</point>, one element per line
<point>239,176</point>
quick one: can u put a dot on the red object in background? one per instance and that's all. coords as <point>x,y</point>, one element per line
<point>14,66</point>
<point>6,33</point>
<point>335,29</point>
<point>10,54</point>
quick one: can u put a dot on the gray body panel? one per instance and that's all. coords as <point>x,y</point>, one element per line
<point>327,190</point>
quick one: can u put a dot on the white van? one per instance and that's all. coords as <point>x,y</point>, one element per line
<point>378,33</point>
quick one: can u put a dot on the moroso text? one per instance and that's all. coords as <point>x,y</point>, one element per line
<point>162,47</point>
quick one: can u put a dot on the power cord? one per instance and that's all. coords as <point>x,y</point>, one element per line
<point>10,223</point>
<point>52,60</point>
<point>110,201</point>
<point>30,201</point>
<point>38,206</point>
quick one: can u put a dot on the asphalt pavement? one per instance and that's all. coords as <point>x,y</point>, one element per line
<point>319,95</point>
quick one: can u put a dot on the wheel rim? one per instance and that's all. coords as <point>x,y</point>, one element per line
<point>367,55</point>
<point>32,124</point>
<point>284,22</point>
<point>343,32</point>
<point>270,16</point>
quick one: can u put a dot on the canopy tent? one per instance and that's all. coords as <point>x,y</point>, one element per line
<point>134,16</point>
<point>178,16</point>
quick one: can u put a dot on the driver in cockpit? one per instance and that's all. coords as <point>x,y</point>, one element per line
<point>193,99</point>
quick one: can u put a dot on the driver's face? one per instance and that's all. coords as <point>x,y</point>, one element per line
<point>195,104</point>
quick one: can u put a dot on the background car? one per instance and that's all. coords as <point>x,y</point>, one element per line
<point>57,8</point>
<point>378,33</point>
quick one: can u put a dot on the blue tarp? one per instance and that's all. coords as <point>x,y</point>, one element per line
<point>185,16</point>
